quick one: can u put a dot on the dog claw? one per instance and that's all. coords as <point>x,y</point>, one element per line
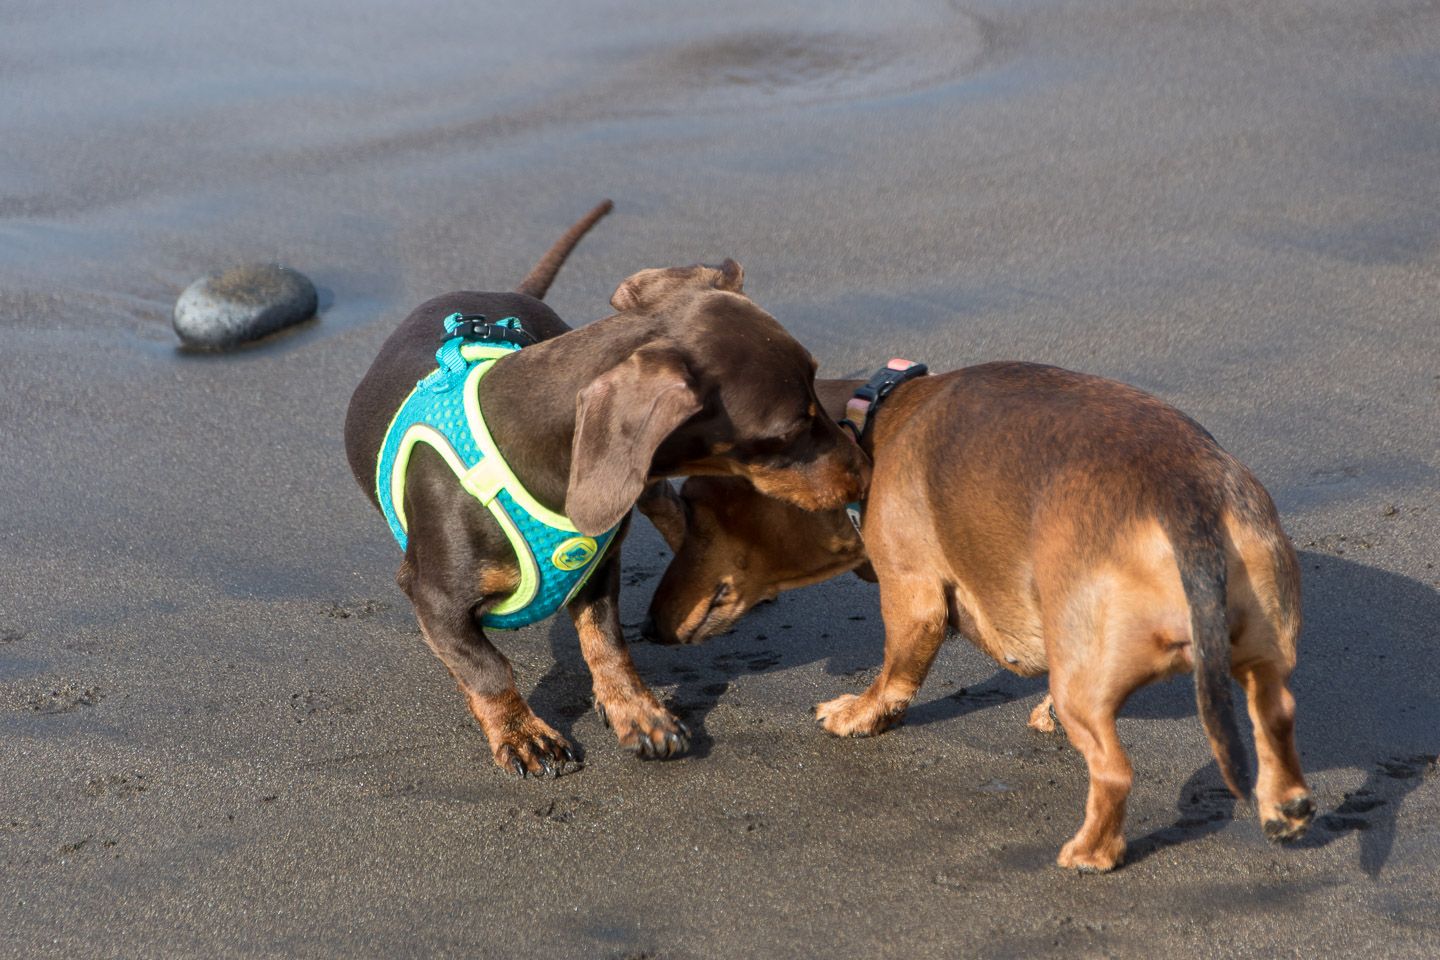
<point>604,717</point>
<point>1300,808</point>
<point>1298,813</point>
<point>535,751</point>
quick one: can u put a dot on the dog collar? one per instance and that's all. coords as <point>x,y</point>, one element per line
<point>443,412</point>
<point>862,406</point>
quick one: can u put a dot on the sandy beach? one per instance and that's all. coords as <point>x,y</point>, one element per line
<point>220,731</point>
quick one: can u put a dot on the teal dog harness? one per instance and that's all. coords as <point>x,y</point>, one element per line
<point>443,411</point>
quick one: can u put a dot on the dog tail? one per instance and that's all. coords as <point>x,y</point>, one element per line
<point>538,281</point>
<point>1201,556</point>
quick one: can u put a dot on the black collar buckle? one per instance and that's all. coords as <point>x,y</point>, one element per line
<point>860,411</point>
<point>476,328</point>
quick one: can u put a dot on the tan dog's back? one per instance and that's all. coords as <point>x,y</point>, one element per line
<point>1035,488</point>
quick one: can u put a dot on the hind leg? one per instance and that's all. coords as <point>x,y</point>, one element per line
<point>915,616</point>
<point>1281,793</point>
<point>1087,710</point>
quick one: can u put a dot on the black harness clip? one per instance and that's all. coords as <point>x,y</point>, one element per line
<point>476,328</point>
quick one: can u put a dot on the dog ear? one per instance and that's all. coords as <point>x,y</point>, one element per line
<point>620,420</point>
<point>731,277</point>
<point>649,287</point>
<point>666,511</point>
<point>631,292</point>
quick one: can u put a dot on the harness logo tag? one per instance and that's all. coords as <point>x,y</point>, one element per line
<point>574,553</point>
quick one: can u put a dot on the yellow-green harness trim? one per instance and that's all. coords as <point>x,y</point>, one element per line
<point>568,556</point>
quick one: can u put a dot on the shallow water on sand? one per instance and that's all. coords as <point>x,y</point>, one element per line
<point>147,141</point>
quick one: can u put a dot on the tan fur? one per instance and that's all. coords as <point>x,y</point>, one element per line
<point>1057,556</point>
<point>626,704</point>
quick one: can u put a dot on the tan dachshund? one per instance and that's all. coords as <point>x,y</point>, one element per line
<point>1061,522</point>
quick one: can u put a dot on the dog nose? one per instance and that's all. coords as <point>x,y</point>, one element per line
<point>648,631</point>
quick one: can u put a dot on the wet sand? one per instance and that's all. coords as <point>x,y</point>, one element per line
<point>220,732</point>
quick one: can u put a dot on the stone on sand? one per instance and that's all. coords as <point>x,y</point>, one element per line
<point>242,304</point>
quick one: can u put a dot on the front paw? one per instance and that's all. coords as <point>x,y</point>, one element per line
<point>1101,858</point>
<point>644,727</point>
<point>849,715</point>
<point>533,748</point>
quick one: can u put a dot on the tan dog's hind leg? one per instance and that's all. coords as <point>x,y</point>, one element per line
<point>1116,628</point>
<point>915,616</point>
<point>1281,793</point>
<point>1264,589</point>
<point>1088,716</point>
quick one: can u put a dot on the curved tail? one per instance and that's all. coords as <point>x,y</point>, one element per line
<point>1201,556</point>
<point>538,281</point>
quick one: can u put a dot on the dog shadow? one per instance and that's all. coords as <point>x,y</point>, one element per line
<point>1364,703</point>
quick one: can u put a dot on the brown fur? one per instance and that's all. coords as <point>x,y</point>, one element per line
<point>690,376</point>
<point>1063,523</point>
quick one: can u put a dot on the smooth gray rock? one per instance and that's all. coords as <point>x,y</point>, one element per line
<point>242,304</point>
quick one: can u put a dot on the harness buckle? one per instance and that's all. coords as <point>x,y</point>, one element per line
<point>476,328</point>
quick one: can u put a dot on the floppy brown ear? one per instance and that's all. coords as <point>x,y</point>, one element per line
<point>620,420</point>
<point>664,508</point>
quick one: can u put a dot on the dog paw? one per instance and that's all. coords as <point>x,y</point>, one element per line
<point>1043,718</point>
<point>849,715</point>
<point>1294,817</point>
<point>1102,858</point>
<point>534,749</point>
<point>645,728</point>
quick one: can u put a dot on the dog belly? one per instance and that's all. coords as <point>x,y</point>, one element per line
<point>1012,637</point>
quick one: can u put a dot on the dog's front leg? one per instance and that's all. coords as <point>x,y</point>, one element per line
<point>521,743</point>
<point>623,700</point>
